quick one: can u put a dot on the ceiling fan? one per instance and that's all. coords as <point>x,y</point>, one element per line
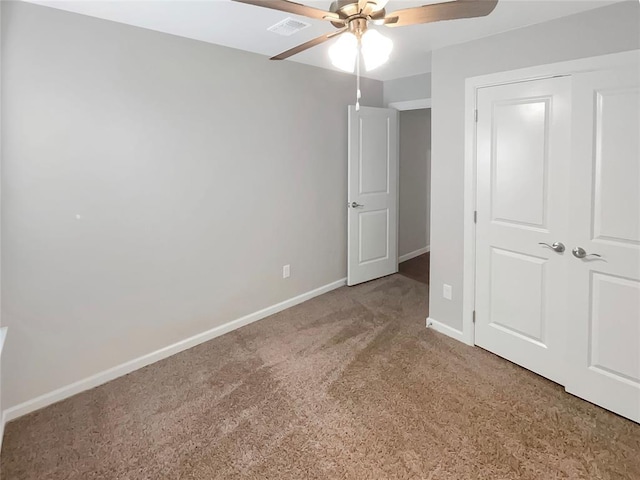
<point>353,17</point>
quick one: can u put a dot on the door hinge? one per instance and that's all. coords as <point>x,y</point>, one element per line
<point>475,115</point>
<point>475,216</point>
<point>474,316</point>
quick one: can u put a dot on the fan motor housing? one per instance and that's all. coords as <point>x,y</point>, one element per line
<point>349,9</point>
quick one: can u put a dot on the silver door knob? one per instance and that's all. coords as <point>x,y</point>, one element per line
<point>354,205</point>
<point>580,252</point>
<point>556,247</point>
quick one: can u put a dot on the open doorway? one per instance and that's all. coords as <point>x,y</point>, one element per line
<point>414,193</point>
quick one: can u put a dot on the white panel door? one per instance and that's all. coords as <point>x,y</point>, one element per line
<point>523,152</point>
<point>372,194</point>
<point>604,320</point>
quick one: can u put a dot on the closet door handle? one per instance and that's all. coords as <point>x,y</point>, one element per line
<point>580,252</point>
<point>556,247</point>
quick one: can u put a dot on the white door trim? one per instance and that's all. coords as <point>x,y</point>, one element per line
<point>417,104</point>
<point>471,86</point>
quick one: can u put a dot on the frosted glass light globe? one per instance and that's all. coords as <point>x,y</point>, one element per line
<point>376,49</point>
<point>344,51</point>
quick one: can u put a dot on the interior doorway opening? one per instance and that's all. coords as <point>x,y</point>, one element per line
<point>414,193</point>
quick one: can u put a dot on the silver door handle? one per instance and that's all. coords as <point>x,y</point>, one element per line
<point>580,252</point>
<point>556,247</point>
<point>354,205</point>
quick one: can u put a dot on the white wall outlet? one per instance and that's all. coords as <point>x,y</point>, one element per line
<point>286,271</point>
<point>447,291</point>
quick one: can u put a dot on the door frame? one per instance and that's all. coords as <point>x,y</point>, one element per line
<point>417,104</point>
<point>472,84</point>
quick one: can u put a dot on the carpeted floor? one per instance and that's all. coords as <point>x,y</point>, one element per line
<point>350,385</point>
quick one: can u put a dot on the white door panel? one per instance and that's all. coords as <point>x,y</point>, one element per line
<point>521,313</point>
<point>523,148</point>
<point>373,188</point>
<point>374,234</point>
<point>520,131</point>
<point>604,291</point>
<point>373,152</point>
<point>616,169</point>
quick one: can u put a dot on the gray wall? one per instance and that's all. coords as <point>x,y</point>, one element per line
<point>605,30</point>
<point>403,89</point>
<point>415,152</point>
<point>153,187</point>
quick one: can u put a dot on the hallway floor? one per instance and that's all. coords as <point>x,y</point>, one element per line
<point>417,268</point>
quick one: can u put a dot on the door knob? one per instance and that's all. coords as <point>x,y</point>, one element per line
<point>556,247</point>
<point>580,252</point>
<point>354,205</point>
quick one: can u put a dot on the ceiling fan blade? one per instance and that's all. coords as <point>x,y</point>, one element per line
<point>385,21</point>
<point>309,44</point>
<point>367,7</point>
<point>292,7</point>
<point>443,11</point>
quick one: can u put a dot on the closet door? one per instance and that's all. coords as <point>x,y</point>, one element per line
<point>523,156</point>
<point>604,246</point>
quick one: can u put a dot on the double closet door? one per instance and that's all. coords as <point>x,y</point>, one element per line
<point>558,231</point>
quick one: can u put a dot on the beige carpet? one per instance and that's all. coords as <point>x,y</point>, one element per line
<point>348,385</point>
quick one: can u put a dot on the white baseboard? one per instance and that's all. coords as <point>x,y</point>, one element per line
<point>447,330</point>
<point>414,254</point>
<point>3,336</point>
<point>2,422</point>
<point>137,363</point>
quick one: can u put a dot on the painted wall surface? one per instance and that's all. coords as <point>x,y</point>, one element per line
<point>415,152</point>
<point>153,187</point>
<point>416,87</point>
<point>605,30</point>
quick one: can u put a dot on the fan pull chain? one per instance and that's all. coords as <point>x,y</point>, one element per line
<point>358,93</point>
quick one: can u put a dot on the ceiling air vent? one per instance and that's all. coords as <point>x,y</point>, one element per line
<point>288,26</point>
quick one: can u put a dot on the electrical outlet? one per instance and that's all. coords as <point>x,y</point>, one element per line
<point>286,271</point>
<point>447,291</point>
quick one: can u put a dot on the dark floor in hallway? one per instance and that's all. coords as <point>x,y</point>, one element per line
<point>417,268</point>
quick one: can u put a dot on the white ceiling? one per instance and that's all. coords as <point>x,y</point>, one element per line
<point>241,26</point>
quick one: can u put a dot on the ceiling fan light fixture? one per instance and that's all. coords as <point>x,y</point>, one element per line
<point>344,51</point>
<point>376,49</point>
<point>355,15</point>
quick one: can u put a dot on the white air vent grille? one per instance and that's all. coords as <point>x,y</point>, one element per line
<point>288,26</point>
